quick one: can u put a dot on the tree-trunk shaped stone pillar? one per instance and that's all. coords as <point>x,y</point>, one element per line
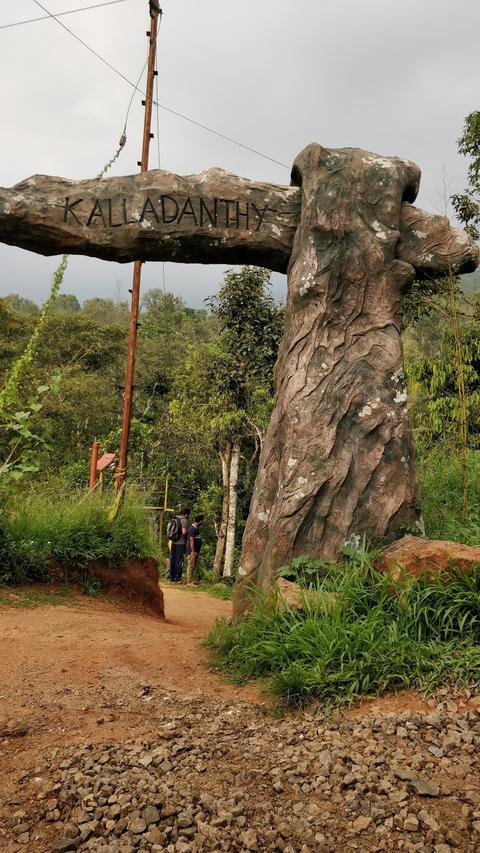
<point>338,460</point>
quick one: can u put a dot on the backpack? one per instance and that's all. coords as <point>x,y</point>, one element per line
<point>174,529</point>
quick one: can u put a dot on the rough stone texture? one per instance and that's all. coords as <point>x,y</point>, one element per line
<point>338,460</point>
<point>297,597</point>
<point>291,593</point>
<point>415,556</point>
<point>33,215</point>
<point>154,216</point>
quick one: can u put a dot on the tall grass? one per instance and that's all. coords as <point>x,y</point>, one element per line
<point>440,481</point>
<point>358,635</point>
<point>39,532</point>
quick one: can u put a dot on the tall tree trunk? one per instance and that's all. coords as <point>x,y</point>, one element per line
<point>338,460</point>
<point>225,456</point>
<point>232,511</point>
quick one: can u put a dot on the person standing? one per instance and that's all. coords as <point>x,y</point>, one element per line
<point>194,544</point>
<point>177,532</point>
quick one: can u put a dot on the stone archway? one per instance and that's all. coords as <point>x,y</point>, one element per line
<point>338,460</point>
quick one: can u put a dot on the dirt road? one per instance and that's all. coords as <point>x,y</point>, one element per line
<point>115,736</point>
<point>49,656</point>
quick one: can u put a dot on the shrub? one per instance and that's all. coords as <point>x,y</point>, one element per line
<point>361,634</point>
<point>41,532</point>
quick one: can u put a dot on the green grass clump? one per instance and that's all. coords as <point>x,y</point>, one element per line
<point>35,598</point>
<point>358,635</point>
<point>41,532</point>
<point>217,590</point>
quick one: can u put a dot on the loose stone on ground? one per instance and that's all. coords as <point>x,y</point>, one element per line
<point>227,777</point>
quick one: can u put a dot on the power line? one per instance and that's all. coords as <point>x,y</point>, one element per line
<point>105,61</point>
<point>156,103</point>
<point>164,279</point>
<point>224,136</point>
<point>60,14</point>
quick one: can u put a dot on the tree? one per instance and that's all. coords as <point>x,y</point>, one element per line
<point>225,386</point>
<point>160,305</point>
<point>105,311</point>
<point>251,324</point>
<point>434,376</point>
<point>467,204</point>
<point>20,304</point>
<point>65,302</point>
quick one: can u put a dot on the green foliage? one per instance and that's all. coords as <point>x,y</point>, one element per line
<point>304,570</point>
<point>10,392</point>
<point>20,304</point>
<point>467,204</point>
<point>358,635</point>
<point>21,449</point>
<point>424,297</point>
<point>40,531</point>
<point>440,482</point>
<point>65,302</point>
<point>91,587</point>
<point>432,378</point>
<point>105,312</point>
<point>251,324</point>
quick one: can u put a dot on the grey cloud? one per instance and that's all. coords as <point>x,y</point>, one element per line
<point>396,78</point>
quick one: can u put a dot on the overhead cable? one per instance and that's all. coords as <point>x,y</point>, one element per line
<point>60,14</point>
<point>156,103</point>
<point>223,136</point>
<point>157,121</point>
<point>105,61</point>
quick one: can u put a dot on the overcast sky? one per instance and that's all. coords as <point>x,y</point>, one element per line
<point>392,77</point>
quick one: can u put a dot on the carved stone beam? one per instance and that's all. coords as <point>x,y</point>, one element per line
<point>213,217</point>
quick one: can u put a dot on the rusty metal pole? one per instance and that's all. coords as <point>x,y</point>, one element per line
<point>121,472</point>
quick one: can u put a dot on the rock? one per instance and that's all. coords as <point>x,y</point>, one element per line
<point>428,820</point>
<point>415,556</point>
<point>151,814</point>
<point>178,227</point>
<point>248,839</point>
<point>361,823</point>
<point>319,513</point>
<point>410,823</point>
<point>155,836</point>
<point>66,844</point>
<point>295,597</point>
<point>424,788</point>
<point>137,826</point>
<point>110,803</point>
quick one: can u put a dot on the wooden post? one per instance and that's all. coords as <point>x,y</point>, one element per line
<point>93,466</point>
<point>137,267</point>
